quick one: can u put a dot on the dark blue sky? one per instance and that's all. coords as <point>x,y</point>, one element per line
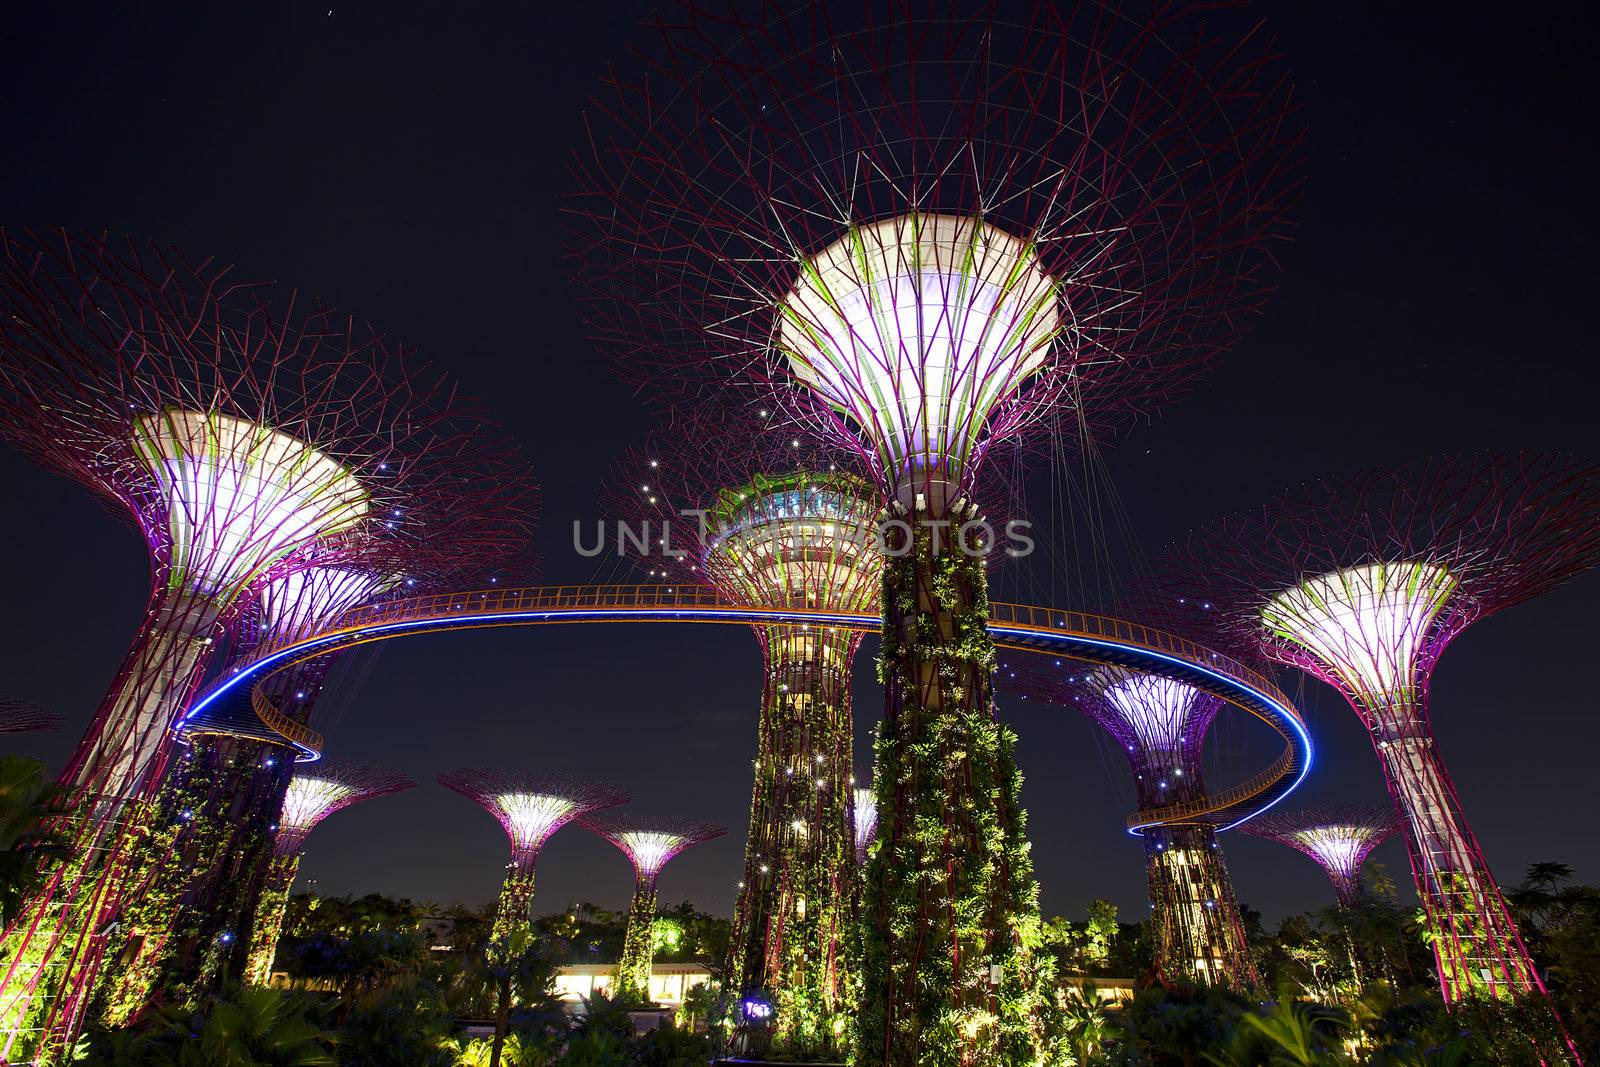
<point>406,164</point>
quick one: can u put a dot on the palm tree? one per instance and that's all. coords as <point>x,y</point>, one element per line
<point>242,1026</point>
<point>512,964</point>
<point>1084,1020</point>
<point>1297,1034</point>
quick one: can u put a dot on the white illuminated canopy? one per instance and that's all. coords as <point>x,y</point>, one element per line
<point>240,495</point>
<point>1157,709</point>
<point>1338,848</point>
<point>529,818</point>
<point>309,801</point>
<point>650,849</point>
<point>916,327</point>
<point>1367,625</point>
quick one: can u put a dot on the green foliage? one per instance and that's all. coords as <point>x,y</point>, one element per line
<point>404,1026</point>
<point>242,1026</point>
<point>633,968</point>
<point>952,961</point>
<point>667,1046</point>
<point>666,935</point>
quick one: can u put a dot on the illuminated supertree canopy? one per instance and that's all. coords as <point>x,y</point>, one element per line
<point>314,793</point>
<point>22,716</point>
<point>1363,583</point>
<point>531,806</point>
<point>921,236</point>
<point>762,519</point>
<point>1160,724</point>
<point>1337,838</point>
<point>866,817</point>
<point>649,842</point>
<point>246,436</point>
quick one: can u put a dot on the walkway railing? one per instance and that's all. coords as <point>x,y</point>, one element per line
<point>1023,627</point>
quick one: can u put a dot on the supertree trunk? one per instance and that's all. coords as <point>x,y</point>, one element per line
<point>514,907</point>
<point>1199,935</point>
<point>1474,940</point>
<point>638,946</point>
<point>267,924</point>
<point>800,867</point>
<point>950,908</point>
<point>197,878</point>
<point>54,946</point>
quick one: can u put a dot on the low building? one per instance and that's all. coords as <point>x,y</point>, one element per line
<point>669,982</point>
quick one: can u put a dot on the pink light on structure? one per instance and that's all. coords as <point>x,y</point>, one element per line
<point>301,603</point>
<point>1364,582</point>
<point>650,842</point>
<point>239,494</point>
<point>1338,839</point>
<point>1161,712</point>
<point>21,716</point>
<point>245,436</point>
<point>531,806</point>
<point>918,328</point>
<point>1368,625</point>
<point>327,787</point>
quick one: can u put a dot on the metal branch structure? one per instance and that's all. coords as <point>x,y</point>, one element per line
<point>1160,724</point>
<point>531,806</point>
<point>1339,839</point>
<point>22,716</point>
<point>1363,583</point>
<point>313,794</point>
<point>208,860</point>
<point>649,842</point>
<point>921,236</point>
<point>732,505</point>
<point>247,436</point>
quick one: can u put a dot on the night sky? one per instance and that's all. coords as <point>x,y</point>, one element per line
<point>406,163</point>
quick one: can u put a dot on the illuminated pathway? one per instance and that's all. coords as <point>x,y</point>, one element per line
<point>1019,627</point>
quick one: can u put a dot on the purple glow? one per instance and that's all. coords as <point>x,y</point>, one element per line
<point>239,495</point>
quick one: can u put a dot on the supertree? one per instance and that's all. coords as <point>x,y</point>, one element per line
<point>1160,725</point>
<point>866,818</point>
<point>314,793</point>
<point>921,236</point>
<point>751,513</point>
<point>1363,583</point>
<point>246,439</point>
<point>649,842</point>
<point>531,806</point>
<point>1337,838</point>
<point>208,858</point>
<point>22,716</point>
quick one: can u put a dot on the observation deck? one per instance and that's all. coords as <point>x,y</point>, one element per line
<point>1023,628</point>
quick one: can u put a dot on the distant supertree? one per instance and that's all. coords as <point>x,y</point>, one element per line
<point>21,716</point>
<point>1363,583</point>
<point>531,806</point>
<point>764,521</point>
<point>648,842</point>
<point>245,438</point>
<point>921,235</point>
<point>314,793</point>
<point>1160,724</point>
<point>866,816</point>
<point>1338,838</point>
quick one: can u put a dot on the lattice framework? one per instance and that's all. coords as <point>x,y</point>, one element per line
<point>1363,582</point>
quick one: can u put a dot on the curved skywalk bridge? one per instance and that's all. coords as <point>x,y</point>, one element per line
<point>1019,627</point>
